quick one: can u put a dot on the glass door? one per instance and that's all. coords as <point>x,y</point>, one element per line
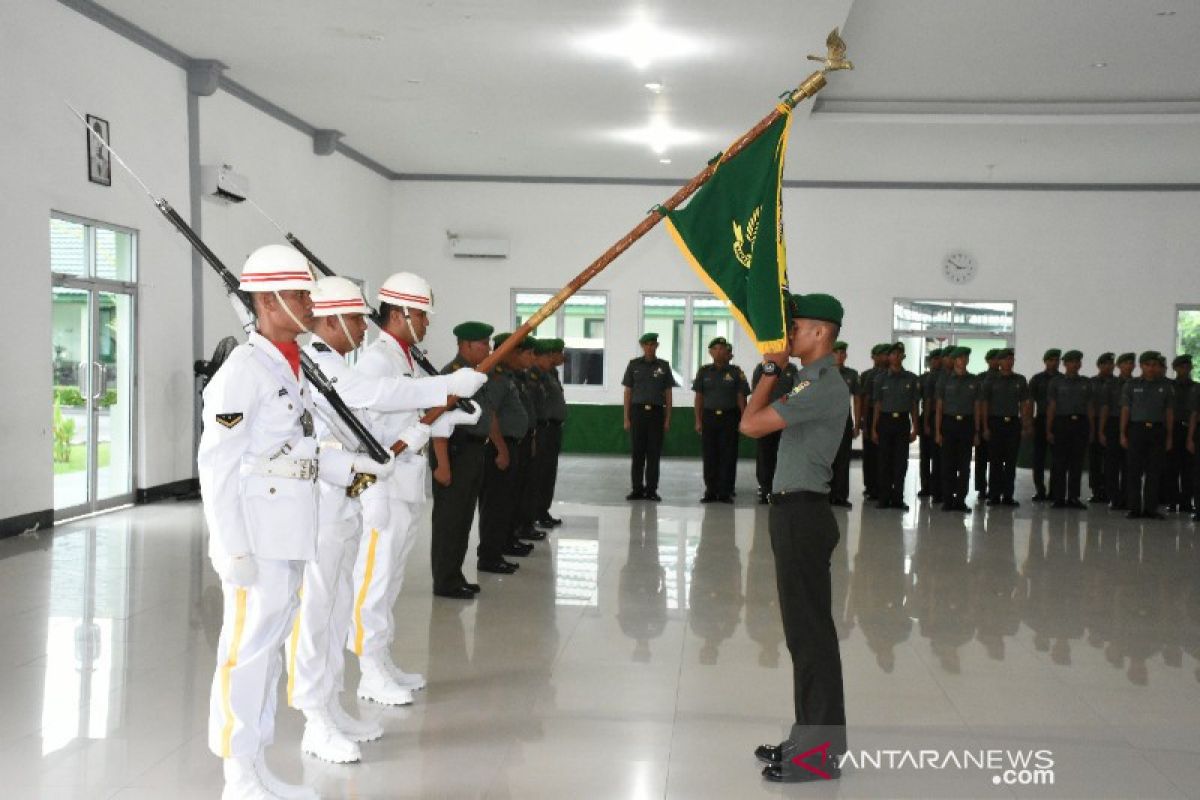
<point>93,310</point>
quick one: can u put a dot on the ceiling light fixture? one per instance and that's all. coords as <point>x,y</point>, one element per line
<point>664,161</point>
<point>659,135</point>
<point>1100,64</point>
<point>655,87</point>
<point>642,43</point>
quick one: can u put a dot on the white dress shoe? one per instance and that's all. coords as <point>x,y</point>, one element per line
<point>356,730</point>
<point>278,787</point>
<point>242,781</point>
<point>378,686</point>
<point>413,681</point>
<point>323,740</point>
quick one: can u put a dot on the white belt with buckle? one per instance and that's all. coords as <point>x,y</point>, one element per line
<point>303,469</point>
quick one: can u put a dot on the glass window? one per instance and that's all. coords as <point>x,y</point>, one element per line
<point>580,323</point>
<point>91,251</point>
<point>927,324</point>
<point>68,248</point>
<point>1187,331</point>
<point>710,319</point>
<point>685,324</point>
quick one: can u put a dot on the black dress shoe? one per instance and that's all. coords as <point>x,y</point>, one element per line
<point>517,549</point>
<point>1059,504</point>
<point>724,498</point>
<point>1096,498</point>
<point>708,498</point>
<point>1077,504</point>
<point>842,504</point>
<point>1153,515</point>
<point>499,566</point>
<point>653,496</point>
<point>457,593</point>
<point>763,499</point>
<point>1040,497</point>
<point>769,753</point>
<point>923,493</point>
<point>1169,508</point>
<point>474,587</point>
<point>636,494</point>
<point>531,534</point>
<point>547,522</point>
<point>900,505</point>
<point>787,773</point>
<point>1008,501</point>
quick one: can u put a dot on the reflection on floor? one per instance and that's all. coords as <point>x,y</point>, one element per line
<point>638,653</point>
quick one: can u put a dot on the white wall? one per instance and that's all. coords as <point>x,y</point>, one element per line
<point>49,54</point>
<point>1096,271</point>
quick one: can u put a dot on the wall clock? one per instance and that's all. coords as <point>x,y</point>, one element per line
<point>959,267</point>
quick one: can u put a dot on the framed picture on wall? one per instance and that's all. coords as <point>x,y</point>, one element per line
<point>99,159</point>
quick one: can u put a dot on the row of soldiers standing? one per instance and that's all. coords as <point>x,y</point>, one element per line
<point>1136,434</point>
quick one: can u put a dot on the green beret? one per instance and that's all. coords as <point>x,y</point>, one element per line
<point>993,353</point>
<point>823,307</point>
<point>717,341</point>
<point>1148,356</point>
<point>544,347</point>
<point>648,338</point>
<point>880,349</point>
<point>1160,358</point>
<point>525,344</point>
<point>932,354</point>
<point>1053,352</point>
<point>840,346</point>
<point>1072,355</point>
<point>894,346</point>
<point>1006,352</point>
<point>473,331</point>
<point>1180,360</point>
<point>1105,358</point>
<point>1126,358</point>
<point>559,345</point>
<point>959,352</point>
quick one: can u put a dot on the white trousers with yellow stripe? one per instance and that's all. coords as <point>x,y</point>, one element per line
<point>379,572</point>
<point>316,657</point>
<point>257,619</point>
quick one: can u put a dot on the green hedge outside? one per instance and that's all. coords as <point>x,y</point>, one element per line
<point>70,396</point>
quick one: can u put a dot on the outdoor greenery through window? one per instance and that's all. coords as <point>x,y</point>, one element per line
<point>580,323</point>
<point>1187,331</point>
<point>685,324</point>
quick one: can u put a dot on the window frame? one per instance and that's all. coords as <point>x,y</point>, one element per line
<point>688,322</point>
<point>559,317</point>
<point>1175,342</point>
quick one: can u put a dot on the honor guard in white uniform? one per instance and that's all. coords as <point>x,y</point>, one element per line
<point>391,508</point>
<point>258,462</point>
<point>315,649</point>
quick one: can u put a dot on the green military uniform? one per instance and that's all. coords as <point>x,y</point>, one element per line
<point>958,396</point>
<point>533,382</point>
<point>930,462</point>
<point>1071,396</point>
<point>1004,398</point>
<point>983,449</point>
<point>866,391</point>
<point>767,449</point>
<point>550,434</point>
<point>1038,386</point>
<point>720,388</point>
<point>649,382</point>
<point>498,497</point>
<point>804,533</point>
<point>839,488</point>
<point>1150,403</point>
<point>896,396</point>
<point>1100,384</point>
<point>1116,463</point>
<point>1178,472</point>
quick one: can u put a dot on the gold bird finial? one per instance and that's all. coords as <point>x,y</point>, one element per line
<point>836,58</point>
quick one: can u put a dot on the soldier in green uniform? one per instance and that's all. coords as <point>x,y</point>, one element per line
<point>1193,447</point>
<point>767,448</point>
<point>983,451</point>
<point>458,466</point>
<point>648,382</point>
<point>1038,385</point>
<point>528,379</point>
<point>1070,423</point>
<point>866,419</point>
<point>1100,381</point>
<point>1147,425</point>
<point>959,428</point>
<point>1178,473</point>
<point>1116,482</point>
<point>721,392</point>
<point>548,353</point>
<point>1007,415</point>
<point>498,497</point>
<point>804,534</point>
<point>839,489</point>
<point>929,477</point>
<point>897,396</point>
<point>939,464</point>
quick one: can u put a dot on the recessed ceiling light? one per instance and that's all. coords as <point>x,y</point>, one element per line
<point>659,135</point>
<point>1100,64</point>
<point>654,86</point>
<point>642,43</point>
<point>664,161</point>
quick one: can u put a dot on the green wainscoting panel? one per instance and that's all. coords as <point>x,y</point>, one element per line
<point>600,429</point>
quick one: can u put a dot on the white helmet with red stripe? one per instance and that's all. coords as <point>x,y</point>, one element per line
<point>335,295</point>
<point>276,268</point>
<point>407,290</point>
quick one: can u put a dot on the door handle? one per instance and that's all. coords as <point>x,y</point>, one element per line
<point>100,382</point>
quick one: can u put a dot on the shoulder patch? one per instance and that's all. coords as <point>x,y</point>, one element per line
<point>321,347</point>
<point>230,420</point>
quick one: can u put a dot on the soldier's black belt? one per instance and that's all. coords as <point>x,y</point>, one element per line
<point>897,414</point>
<point>1005,419</point>
<point>1076,417</point>
<point>798,496</point>
<point>650,406</point>
<point>1151,424</point>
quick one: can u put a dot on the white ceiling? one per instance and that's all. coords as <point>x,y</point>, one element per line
<point>944,90</point>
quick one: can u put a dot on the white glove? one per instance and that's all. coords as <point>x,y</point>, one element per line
<point>365,465</point>
<point>416,436</point>
<point>460,417</point>
<point>242,570</point>
<point>465,382</point>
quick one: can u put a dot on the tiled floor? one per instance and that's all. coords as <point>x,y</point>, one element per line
<point>638,653</point>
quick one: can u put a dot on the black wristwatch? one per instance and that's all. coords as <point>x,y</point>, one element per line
<point>770,368</point>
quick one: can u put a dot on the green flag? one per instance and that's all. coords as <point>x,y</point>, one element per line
<point>731,232</point>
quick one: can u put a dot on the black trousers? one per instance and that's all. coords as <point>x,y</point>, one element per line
<point>550,447</point>
<point>497,502</point>
<point>719,443</point>
<point>766,457</point>
<point>646,436</point>
<point>1147,448</point>
<point>1177,475</point>
<point>930,477</point>
<point>870,454</point>
<point>1003,448</point>
<point>1116,481</point>
<point>453,511</point>
<point>839,486</point>
<point>958,437</point>
<point>523,487</point>
<point>803,537</point>
<point>1096,468</point>
<point>1041,448</point>
<point>982,459</point>
<point>894,432</point>
<point>1070,447</point>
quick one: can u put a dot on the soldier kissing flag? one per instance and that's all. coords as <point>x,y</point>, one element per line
<point>731,232</point>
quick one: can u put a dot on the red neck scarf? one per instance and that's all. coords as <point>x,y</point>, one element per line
<point>405,346</point>
<point>290,351</point>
